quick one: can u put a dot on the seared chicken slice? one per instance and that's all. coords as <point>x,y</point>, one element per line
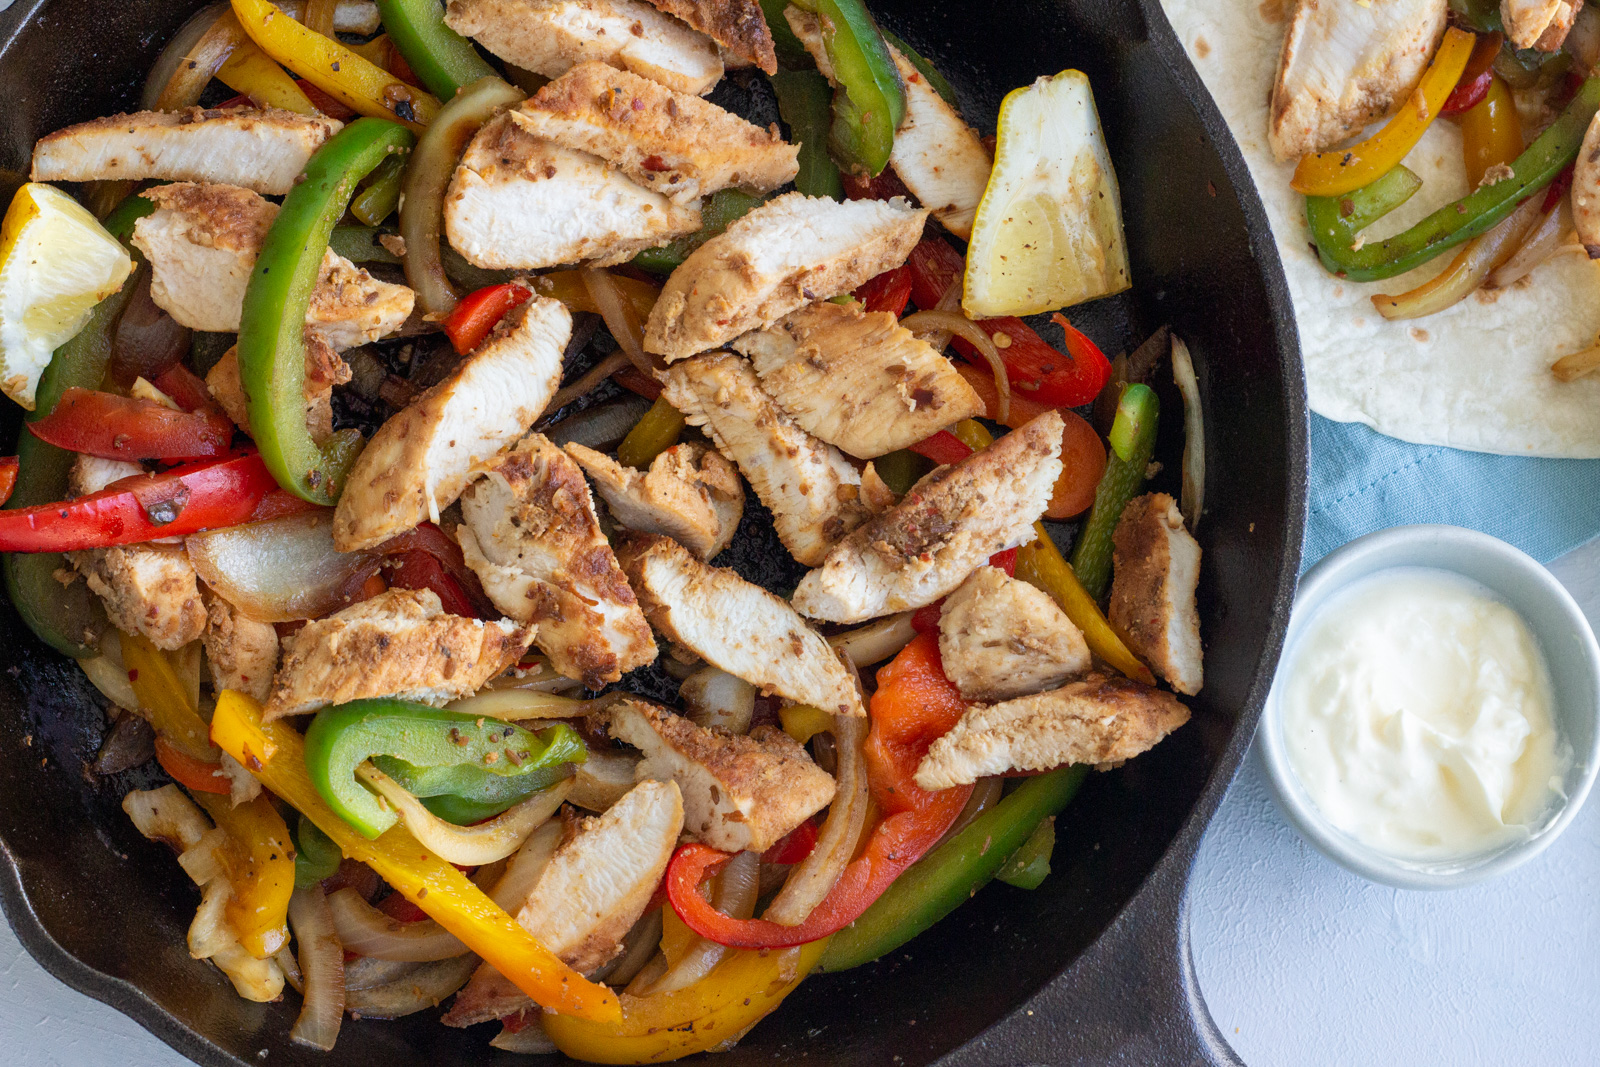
<point>1000,637</point>
<point>1345,64</point>
<point>1541,24</point>
<point>532,538</point>
<point>243,653</point>
<point>202,242</point>
<point>811,489</point>
<point>419,461</point>
<point>1586,191</point>
<point>675,144</point>
<point>737,25</point>
<point>1156,563</point>
<point>324,370</point>
<point>401,643</point>
<point>858,379</point>
<point>788,252</point>
<point>690,493</point>
<point>736,626</point>
<point>260,150</point>
<point>150,590</point>
<point>519,202</point>
<point>944,529</point>
<point>90,474</point>
<point>738,792</point>
<point>1101,720</point>
<point>550,37</point>
<point>589,894</point>
<point>936,154</point>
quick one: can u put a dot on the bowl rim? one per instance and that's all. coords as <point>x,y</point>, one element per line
<point>1449,549</point>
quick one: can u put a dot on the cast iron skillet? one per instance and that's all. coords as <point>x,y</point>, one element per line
<point>1094,966</point>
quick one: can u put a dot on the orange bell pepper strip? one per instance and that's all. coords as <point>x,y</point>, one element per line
<point>260,866</point>
<point>251,71</point>
<point>197,776</point>
<point>1344,170</point>
<point>275,754</point>
<point>1491,132</point>
<point>357,83</point>
<point>567,287</point>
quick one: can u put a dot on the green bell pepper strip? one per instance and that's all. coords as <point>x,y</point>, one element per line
<point>379,198</point>
<point>1029,865</point>
<point>315,855</point>
<point>717,213</point>
<point>1479,16</point>
<point>946,91</point>
<point>1138,411</point>
<point>1357,210</point>
<point>942,880</point>
<point>805,103</point>
<point>344,736</point>
<point>1540,163</point>
<point>272,323</point>
<point>359,244</point>
<point>870,102</point>
<point>444,60</point>
<point>901,469</point>
<point>466,794</point>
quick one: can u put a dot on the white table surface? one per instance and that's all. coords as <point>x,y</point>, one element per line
<point>1302,964</point>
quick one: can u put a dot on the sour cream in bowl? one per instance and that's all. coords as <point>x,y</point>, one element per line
<point>1433,722</point>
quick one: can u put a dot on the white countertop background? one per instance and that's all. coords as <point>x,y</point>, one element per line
<point>1302,963</point>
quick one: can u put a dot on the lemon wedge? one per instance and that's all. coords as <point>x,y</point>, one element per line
<point>1048,233</point>
<point>56,264</point>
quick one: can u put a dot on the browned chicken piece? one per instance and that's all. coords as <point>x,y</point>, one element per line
<point>812,490</point>
<point>324,370</point>
<point>264,150</point>
<point>672,143</point>
<point>738,792</point>
<point>550,37</point>
<point>532,538</point>
<point>737,25</point>
<point>90,474</point>
<point>1102,720</point>
<point>242,652</point>
<point>401,643</point>
<point>1000,637</point>
<point>736,626</point>
<point>590,893</point>
<point>1156,568</point>
<point>1541,24</point>
<point>944,529</point>
<point>858,379</point>
<point>789,252</point>
<point>1586,191</point>
<point>421,459</point>
<point>1347,64</point>
<point>690,493</point>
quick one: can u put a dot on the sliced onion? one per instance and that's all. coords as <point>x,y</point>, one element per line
<point>516,705</point>
<point>426,986</point>
<point>603,779</point>
<point>1578,365</point>
<point>253,979</point>
<point>957,323</point>
<point>717,699</point>
<point>813,877</point>
<point>318,16</point>
<point>109,675</point>
<point>167,815</point>
<point>1472,265</point>
<point>638,948</point>
<point>210,933</point>
<point>322,962</point>
<point>282,569</point>
<point>985,795</point>
<point>1194,434</point>
<point>131,742</point>
<point>876,641</point>
<point>147,341</point>
<point>190,60</point>
<point>531,1040</point>
<point>590,381</point>
<point>366,931</point>
<point>1551,237</point>
<point>619,315</point>
<point>468,846</point>
<point>351,16</point>
<point>369,972</point>
<point>290,967</point>
<point>540,678</point>
<point>203,861</point>
<point>734,894</point>
<point>1583,40</point>
<point>602,426</point>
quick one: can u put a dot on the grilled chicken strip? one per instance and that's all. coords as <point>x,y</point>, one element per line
<point>690,494</point>
<point>1000,637</point>
<point>858,379</point>
<point>401,643</point>
<point>522,203</point>
<point>242,652</point>
<point>202,242</point>
<point>1101,720</point>
<point>1586,191</point>
<point>738,792</point>
<point>419,461</point>
<point>1346,64</point>
<point>550,37</point>
<point>1156,568</point>
<point>736,626</point>
<point>788,252</point>
<point>672,143</point>
<point>737,25</point>
<point>260,150</point>
<point>324,370</point>
<point>1541,24</point>
<point>811,489</point>
<point>532,538</point>
<point>944,529</point>
<point>590,893</point>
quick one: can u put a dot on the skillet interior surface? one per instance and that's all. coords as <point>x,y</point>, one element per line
<point>107,911</point>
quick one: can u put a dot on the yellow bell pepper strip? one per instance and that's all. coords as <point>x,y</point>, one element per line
<point>803,722</point>
<point>1344,170</point>
<point>275,754</point>
<point>260,867</point>
<point>252,72</point>
<point>165,698</point>
<point>360,85</point>
<point>655,432</point>
<point>1491,132</point>
<point>738,993</point>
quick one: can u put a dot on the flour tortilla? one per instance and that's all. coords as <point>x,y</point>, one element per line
<point>1476,376</point>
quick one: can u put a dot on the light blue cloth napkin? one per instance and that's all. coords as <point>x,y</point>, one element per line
<point>1362,481</point>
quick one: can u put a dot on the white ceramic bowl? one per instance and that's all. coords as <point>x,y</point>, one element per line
<point>1563,635</point>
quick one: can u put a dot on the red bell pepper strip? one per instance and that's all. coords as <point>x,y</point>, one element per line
<point>8,477</point>
<point>795,846</point>
<point>186,388</point>
<point>886,185</point>
<point>479,312</point>
<point>418,570</point>
<point>400,909</point>
<point>926,619</point>
<point>914,705</point>
<point>1475,80</point>
<point>131,428</point>
<point>191,773</point>
<point>943,448</point>
<point>631,379</point>
<point>889,291</point>
<point>334,109</point>
<point>430,560</point>
<point>197,496</point>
